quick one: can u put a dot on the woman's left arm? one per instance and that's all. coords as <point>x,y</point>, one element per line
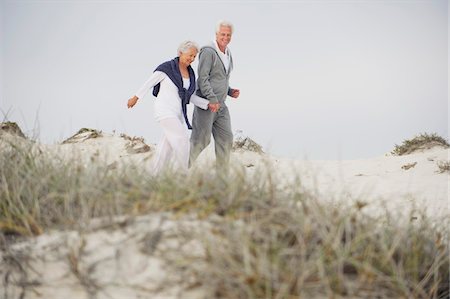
<point>199,102</point>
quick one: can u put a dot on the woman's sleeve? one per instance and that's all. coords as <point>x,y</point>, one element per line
<point>154,79</point>
<point>199,102</point>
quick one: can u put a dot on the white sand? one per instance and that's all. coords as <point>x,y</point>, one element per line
<point>110,262</point>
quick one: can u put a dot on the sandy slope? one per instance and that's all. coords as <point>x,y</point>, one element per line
<point>383,180</point>
<point>119,262</point>
<point>379,181</point>
<point>105,262</point>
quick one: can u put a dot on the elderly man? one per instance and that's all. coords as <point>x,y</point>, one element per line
<point>214,68</point>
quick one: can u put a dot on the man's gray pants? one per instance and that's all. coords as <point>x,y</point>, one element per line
<point>205,123</point>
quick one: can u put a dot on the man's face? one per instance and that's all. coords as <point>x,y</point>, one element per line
<point>223,36</point>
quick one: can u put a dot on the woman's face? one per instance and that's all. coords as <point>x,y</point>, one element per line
<point>188,57</point>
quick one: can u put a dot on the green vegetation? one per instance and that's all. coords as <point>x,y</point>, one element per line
<point>270,242</point>
<point>421,141</point>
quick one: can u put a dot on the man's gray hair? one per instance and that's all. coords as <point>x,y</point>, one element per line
<point>186,45</point>
<point>223,23</point>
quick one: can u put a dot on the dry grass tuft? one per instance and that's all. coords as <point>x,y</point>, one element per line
<point>11,128</point>
<point>136,145</point>
<point>247,144</point>
<point>444,166</point>
<point>296,247</point>
<point>420,142</point>
<point>82,135</point>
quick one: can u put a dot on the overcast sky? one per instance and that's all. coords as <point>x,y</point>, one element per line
<point>318,79</point>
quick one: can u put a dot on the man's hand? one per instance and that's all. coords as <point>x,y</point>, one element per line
<point>235,93</point>
<point>214,107</point>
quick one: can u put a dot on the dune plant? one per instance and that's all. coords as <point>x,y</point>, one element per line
<point>84,134</point>
<point>12,128</point>
<point>443,166</point>
<point>290,245</point>
<point>421,141</point>
<point>39,191</point>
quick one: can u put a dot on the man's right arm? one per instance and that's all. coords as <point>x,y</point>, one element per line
<point>205,64</point>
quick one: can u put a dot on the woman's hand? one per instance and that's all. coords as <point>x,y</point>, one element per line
<point>132,101</point>
<point>214,107</point>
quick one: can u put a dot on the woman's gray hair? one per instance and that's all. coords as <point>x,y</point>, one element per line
<point>186,45</point>
<point>224,24</point>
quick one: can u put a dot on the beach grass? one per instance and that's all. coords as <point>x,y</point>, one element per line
<point>443,166</point>
<point>418,142</point>
<point>270,241</point>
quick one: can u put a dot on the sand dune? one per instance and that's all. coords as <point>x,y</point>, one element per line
<point>388,179</point>
<point>119,259</point>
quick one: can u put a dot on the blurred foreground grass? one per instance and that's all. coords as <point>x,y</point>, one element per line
<point>271,242</point>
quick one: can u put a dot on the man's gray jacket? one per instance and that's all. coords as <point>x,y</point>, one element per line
<point>212,76</point>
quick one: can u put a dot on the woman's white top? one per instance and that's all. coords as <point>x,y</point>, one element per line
<point>168,102</point>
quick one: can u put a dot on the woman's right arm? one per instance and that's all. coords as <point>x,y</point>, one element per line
<point>154,79</point>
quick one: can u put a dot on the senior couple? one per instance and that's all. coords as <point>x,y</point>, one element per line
<point>174,85</point>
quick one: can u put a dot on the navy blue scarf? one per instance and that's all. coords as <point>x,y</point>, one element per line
<point>172,70</point>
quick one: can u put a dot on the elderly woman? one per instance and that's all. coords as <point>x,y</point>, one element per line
<point>173,84</point>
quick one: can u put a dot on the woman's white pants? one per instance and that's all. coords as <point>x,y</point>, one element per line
<point>173,149</point>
